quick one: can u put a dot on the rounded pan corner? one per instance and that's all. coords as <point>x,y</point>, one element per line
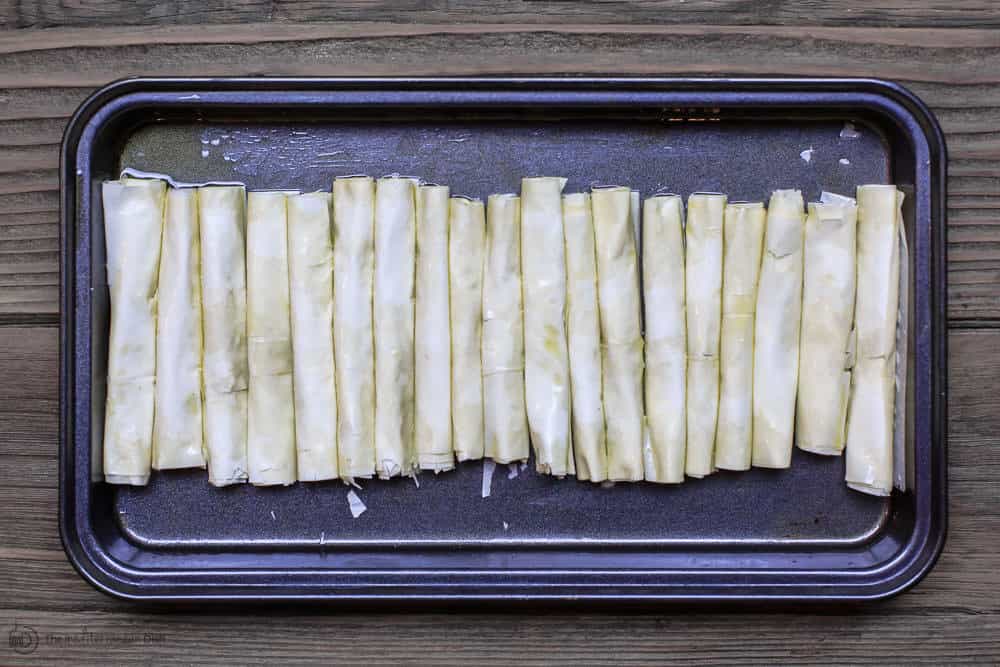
<point>87,566</point>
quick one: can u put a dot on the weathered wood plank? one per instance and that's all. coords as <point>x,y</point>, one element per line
<point>887,13</point>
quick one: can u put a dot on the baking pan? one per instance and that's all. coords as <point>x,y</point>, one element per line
<point>797,534</point>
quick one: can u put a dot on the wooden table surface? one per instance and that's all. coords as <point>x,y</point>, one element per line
<point>54,52</point>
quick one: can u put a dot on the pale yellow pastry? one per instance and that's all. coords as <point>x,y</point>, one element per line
<point>506,419</point>
<point>310,287</point>
<point>178,427</point>
<point>466,241</point>
<point>703,283</point>
<point>546,357</point>
<point>743,238</point>
<point>133,227</point>
<point>222,223</point>
<point>776,331</point>
<point>353,336</point>
<point>271,404</point>
<point>621,336</point>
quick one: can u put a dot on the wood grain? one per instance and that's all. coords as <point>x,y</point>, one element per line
<point>954,614</point>
<point>895,13</point>
<point>45,74</point>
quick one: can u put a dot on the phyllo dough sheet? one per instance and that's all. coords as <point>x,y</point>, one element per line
<point>506,419</point>
<point>870,425</point>
<point>663,284</point>
<point>583,330</point>
<point>178,439</point>
<point>703,282</point>
<point>776,331</point>
<point>432,338</point>
<point>395,248</point>
<point>621,335</point>
<point>743,238</point>
<point>353,335</point>
<point>310,287</point>
<point>133,225</point>
<point>546,355</point>
<point>221,210</point>
<point>271,403</point>
<point>466,241</point>
<point>825,349</point>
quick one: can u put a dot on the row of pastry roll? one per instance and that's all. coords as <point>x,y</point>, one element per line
<point>390,327</point>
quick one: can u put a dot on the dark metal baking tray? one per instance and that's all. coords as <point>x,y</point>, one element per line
<point>797,534</point>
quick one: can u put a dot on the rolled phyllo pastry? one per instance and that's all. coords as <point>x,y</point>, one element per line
<point>743,238</point>
<point>621,336</point>
<point>663,285</point>
<point>870,421</point>
<point>133,227</point>
<point>271,404</point>
<point>353,336</point>
<point>546,357</point>
<point>583,330</point>
<point>825,357</point>
<point>703,283</point>
<point>222,224</point>
<point>433,332</point>
<point>506,420</point>
<point>395,248</point>
<point>776,331</point>
<point>466,241</point>
<point>310,287</point>
<point>178,440</point>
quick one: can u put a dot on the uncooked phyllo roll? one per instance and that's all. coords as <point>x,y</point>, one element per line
<point>178,440</point>
<point>222,225</point>
<point>583,329</point>
<point>621,336</point>
<point>870,422</point>
<point>395,247</point>
<point>546,357</point>
<point>663,285</point>
<point>433,332</point>
<point>310,286</point>
<point>506,422</point>
<point>133,227</point>
<point>353,337</point>
<point>743,237</point>
<point>776,332</point>
<point>825,349</point>
<point>466,240</point>
<point>703,282</point>
<point>271,404</point>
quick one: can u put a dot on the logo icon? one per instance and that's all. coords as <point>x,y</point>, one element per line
<point>22,639</point>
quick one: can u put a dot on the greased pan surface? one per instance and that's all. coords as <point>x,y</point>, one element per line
<point>799,533</point>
